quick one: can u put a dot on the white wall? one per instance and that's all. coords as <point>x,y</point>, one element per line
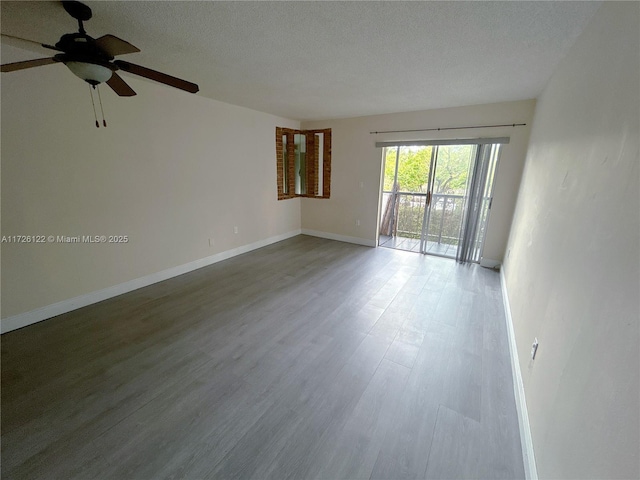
<point>171,170</point>
<point>357,163</point>
<point>573,270</point>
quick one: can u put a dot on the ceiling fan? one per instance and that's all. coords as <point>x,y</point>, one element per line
<point>92,59</point>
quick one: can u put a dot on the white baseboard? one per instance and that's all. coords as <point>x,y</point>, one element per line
<point>528,455</point>
<point>341,238</point>
<point>23,319</point>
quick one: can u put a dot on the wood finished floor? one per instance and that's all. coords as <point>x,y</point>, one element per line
<point>308,358</point>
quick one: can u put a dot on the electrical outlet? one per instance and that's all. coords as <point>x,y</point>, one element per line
<point>534,349</point>
<point>235,229</point>
<point>357,223</point>
<point>212,242</point>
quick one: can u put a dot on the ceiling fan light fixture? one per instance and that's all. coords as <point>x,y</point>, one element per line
<point>93,59</point>
<point>91,73</point>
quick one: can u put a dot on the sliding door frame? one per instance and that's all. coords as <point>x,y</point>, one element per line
<point>426,218</point>
<point>480,143</point>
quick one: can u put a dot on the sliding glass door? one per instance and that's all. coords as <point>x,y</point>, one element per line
<point>407,178</point>
<point>436,198</point>
<point>447,199</point>
<point>407,196</point>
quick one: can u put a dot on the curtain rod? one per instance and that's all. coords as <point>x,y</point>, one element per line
<point>456,141</point>
<point>451,128</point>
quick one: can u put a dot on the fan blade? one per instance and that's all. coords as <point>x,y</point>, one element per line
<point>119,86</point>
<point>113,46</point>
<point>51,47</point>
<point>157,76</point>
<point>20,39</point>
<point>12,67</point>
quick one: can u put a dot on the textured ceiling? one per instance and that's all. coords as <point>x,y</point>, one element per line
<point>316,60</point>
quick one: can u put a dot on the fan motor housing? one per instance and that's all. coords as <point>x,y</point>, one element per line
<point>81,44</point>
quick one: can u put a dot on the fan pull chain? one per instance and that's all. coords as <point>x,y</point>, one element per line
<point>104,122</point>
<point>94,106</point>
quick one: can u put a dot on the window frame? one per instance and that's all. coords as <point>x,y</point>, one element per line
<point>285,142</point>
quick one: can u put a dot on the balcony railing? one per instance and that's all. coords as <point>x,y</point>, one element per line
<point>401,227</point>
<point>406,219</point>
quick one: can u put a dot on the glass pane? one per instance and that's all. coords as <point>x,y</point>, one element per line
<point>285,166</point>
<point>319,144</point>
<point>448,198</point>
<point>300,145</point>
<point>389,158</point>
<point>410,216</point>
<point>413,169</point>
<point>406,181</point>
<point>387,208</point>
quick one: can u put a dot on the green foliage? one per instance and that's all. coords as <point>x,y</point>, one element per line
<point>413,170</point>
<point>453,169</point>
<point>389,168</point>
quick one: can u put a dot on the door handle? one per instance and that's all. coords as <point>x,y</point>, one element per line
<point>428,198</point>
